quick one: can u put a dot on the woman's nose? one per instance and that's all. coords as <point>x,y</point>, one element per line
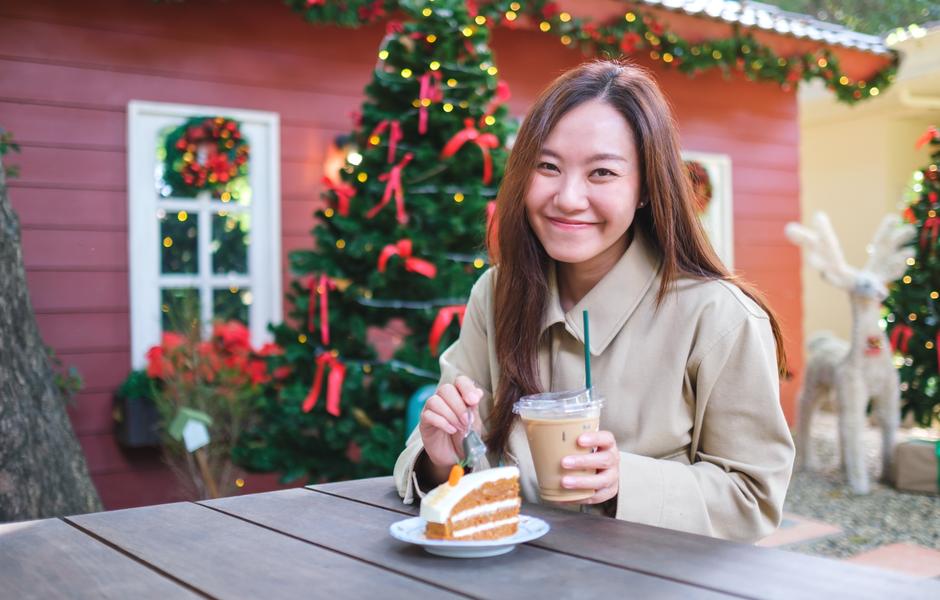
<point>571,195</point>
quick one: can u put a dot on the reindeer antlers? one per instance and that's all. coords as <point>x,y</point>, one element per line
<point>889,250</point>
<point>822,249</point>
<point>887,260</point>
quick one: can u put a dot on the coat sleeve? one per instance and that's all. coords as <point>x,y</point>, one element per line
<point>467,356</point>
<point>736,484</point>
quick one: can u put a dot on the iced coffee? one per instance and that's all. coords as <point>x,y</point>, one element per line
<point>553,421</point>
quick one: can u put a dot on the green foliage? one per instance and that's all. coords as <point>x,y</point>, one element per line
<point>446,203</point>
<point>7,145</point>
<point>68,381</point>
<point>867,16</point>
<point>913,304</point>
<point>138,385</point>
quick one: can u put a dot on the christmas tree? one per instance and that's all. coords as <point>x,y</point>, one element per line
<point>401,236</point>
<point>912,317</point>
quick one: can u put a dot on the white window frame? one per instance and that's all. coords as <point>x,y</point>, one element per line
<point>718,219</point>
<point>262,130</point>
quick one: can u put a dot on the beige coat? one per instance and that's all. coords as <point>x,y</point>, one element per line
<point>692,396</point>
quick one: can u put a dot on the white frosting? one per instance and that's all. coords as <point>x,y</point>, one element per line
<point>437,505</point>
<point>471,530</point>
<point>485,509</point>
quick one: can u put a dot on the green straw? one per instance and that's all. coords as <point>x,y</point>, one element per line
<point>587,351</point>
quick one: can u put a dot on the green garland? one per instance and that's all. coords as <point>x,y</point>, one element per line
<point>632,34</point>
<point>228,156</point>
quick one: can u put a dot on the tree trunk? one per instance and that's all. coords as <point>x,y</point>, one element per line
<point>42,467</point>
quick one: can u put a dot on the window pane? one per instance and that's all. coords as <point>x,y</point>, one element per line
<point>178,241</point>
<point>169,179</point>
<point>230,240</point>
<point>231,304</point>
<point>179,307</point>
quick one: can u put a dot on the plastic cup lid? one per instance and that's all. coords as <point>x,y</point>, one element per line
<point>566,402</point>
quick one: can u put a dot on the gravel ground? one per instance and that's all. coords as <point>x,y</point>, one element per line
<point>886,516</point>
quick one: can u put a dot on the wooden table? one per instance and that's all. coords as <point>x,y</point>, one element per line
<point>332,541</point>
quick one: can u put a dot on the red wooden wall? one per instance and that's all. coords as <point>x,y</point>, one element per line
<point>67,71</point>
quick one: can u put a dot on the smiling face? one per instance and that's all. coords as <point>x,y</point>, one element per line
<point>585,188</point>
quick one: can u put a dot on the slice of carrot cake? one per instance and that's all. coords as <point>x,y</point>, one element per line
<point>477,506</point>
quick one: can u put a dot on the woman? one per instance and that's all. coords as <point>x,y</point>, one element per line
<point>596,212</point>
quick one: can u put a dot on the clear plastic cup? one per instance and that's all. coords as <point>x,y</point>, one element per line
<point>553,421</point>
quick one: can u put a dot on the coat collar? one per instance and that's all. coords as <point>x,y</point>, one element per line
<point>611,302</point>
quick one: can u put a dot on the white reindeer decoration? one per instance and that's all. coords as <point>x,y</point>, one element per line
<point>863,368</point>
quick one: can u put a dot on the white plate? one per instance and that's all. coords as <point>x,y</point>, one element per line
<point>412,531</point>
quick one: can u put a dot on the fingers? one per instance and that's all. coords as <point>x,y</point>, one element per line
<point>602,495</point>
<point>596,460</point>
<point>436,420</point>
<point>588,482</point>
<point>469,391</point>
<point>455,403</point>
<point>602,440</point>
<point>437,405</point>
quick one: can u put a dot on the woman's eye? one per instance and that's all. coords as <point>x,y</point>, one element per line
<point>547,165</point>
<point>604,172</point>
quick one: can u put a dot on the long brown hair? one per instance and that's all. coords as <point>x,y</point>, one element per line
<point>667,218</point>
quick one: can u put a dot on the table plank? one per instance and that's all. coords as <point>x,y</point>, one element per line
<point>50,559</point>
<point>227,557</point>
<point>735,568</point>
<point>361,530</point>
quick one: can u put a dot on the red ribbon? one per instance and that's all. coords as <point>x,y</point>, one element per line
<point>430,90</point>
<point>502,96</point>
<point>334,384</point>
<point>344,192</point>
<point>394,136</point>
<point>393,186</point>
<point>403,248</point>
<point>900,336</point>
<point>320,286</point>
<point>484,140</point>
<point>933,224</point>
<point>927,136</point>
<point>444,318</point>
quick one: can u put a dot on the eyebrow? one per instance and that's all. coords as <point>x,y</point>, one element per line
<point>595,157</point>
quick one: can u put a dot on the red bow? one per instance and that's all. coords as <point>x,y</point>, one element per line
<point>393,185</point>
<point>320,286</point>
<point>444,318</point>
<point>394,136</point>
<point>900,336</point>
<point>431,91</point>
<point>344,192</point>
<point>403,248</point>
<point>873,345</point>
<point>484,140</point>
<point>933,224</point>
<point>334,384</point>
<point>927,136</point>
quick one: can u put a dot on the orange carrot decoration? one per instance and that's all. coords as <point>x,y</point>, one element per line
<point>456,472</point>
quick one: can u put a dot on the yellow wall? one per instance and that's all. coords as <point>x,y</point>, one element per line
<point>856,162</point>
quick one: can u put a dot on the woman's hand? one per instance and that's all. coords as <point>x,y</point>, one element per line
<point>444,420</point>
<point>606,482</point>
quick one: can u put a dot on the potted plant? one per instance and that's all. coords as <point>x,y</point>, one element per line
<point>136,419</point>
<point>207,392</point>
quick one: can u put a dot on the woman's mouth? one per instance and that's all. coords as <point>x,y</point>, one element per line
<point>569,224</point>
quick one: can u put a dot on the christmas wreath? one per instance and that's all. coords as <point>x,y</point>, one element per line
<point>204,154</point>
<point>701,184</point>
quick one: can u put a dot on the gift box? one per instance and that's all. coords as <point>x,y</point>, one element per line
<point>917,466</point>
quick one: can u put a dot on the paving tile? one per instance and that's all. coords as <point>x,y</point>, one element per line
<point>794,529</point>
<point>903,557</point>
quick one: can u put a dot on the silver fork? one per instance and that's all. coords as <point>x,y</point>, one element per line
<point>474,450</point>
